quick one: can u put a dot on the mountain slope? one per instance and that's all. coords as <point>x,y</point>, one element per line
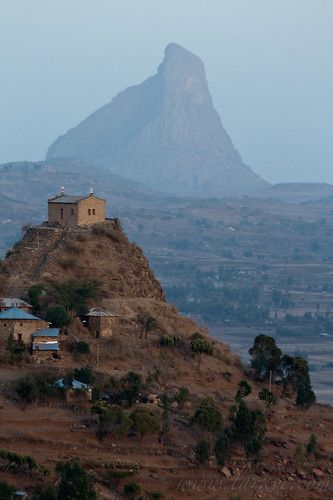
<point>165,133</point>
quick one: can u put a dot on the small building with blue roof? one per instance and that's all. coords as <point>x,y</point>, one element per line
<point>21,324</point>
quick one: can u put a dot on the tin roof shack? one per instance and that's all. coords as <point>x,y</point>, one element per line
<point>101,322</point>
<point>45,344</point>
<point>76,392</point>
<point>9,302</point>
<point>20,324</point>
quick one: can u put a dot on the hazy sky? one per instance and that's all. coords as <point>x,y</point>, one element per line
<point>269,65</point>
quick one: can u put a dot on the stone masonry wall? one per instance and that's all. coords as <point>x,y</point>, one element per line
<point>25,328</point>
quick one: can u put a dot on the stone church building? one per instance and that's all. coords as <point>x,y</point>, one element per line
<point>70,210</point>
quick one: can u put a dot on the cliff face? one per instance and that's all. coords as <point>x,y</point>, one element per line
<point>102,252</point>
<point>165,133</point>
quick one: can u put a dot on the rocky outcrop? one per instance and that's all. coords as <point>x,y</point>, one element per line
<point>49,255</point>
<point>165,133</point>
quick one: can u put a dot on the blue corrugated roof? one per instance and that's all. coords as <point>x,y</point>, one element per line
<point>45,346</point>
<point>14,313</point>
<point>46,332</point>
<point>76,384</point>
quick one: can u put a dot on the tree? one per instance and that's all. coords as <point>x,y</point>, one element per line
<point>247,424</point>
<point>253,448</point>
<point>145,421</point>
<point>244,390</point>
<point>132,384</point>
<point>208,417</point>
<point>112,420</point>
<point>27,389</point>
<point>132,490</point>
<point>147,323</point>
<point>305,396</point>
<point>6,491</point>
<point>34,294</point>
<point>81,347</point>
<point>75,483</point>
<point>269,399</point>
<point>57,316</point>
<point>222,449</point>
<point>73,295</point>
<point>202,451</point>
<point>266,356</point>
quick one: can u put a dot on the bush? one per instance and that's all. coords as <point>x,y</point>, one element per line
<point>6,491</point>
<point>73,295</point>
<point>268,398</point>
<point>243,391</point>
<point>183,395</point>
<point>49,493</point>
<point>16,349</point>
<point>202,451</point>
<point>312,446</point>
<point>305,396</point>
<point>169,341</point>
<point>34,294</point>
<point>36,387</point>
<point>84,375</point>
<point>19,460</point>
<point>132,490</point>
<point>130,387</point>
<point>112,420</point>
<point>208,417</point>
<point>81,347</point>
<point>57,316</point>
<point>200,345</point>
<point>75,483</point>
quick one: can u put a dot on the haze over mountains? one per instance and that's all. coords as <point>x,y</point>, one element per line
<point>164,133</point>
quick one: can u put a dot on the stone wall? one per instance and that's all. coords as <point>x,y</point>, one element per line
<point>91,210</point>
<point>20,329</point>
<point>102,326</point>
<point>63,213</point>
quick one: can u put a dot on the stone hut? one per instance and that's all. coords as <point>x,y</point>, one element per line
<point>71,211</point>
<point>20,324</point>
<point>101,322</point>
<point>8,303</point>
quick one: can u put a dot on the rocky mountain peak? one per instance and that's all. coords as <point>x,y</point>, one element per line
<point>164,133</point>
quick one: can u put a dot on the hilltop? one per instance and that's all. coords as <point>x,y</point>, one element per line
<point>52,430</point>
<point>164,133</point>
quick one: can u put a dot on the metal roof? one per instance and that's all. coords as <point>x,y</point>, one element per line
<point>13,302</point>
<point>99,311</point>
<point>64,198</point>
<point>45,346</point>
<point>14,313</point>
<point>46,332</point>
<point>76,384</point>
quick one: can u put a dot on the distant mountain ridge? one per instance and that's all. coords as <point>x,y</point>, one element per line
<point>164,133</point>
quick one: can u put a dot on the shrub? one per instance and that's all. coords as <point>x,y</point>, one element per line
<point>57,316</point>
<point>208,417</point>
<point>49,493</point>
<point>312,446</point>
<point>73,295</point>
<point>247,424</point>
<point>112,420</point>
<point>16,349</point>
<point>36,387</point>
<point>169,341</point>
<point>131,386</point>
<point>132,490</point>
<point>200,345</point>
<point>268,398</point>
<point>81,347</point>
<point>6,491</point>
<point>18,460</point>
<point>299,455</point>
<point>84,375</point>
<point>243,391</point>
<point>202,451</point>
<point>75,483</point>
<point>183,395</point>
